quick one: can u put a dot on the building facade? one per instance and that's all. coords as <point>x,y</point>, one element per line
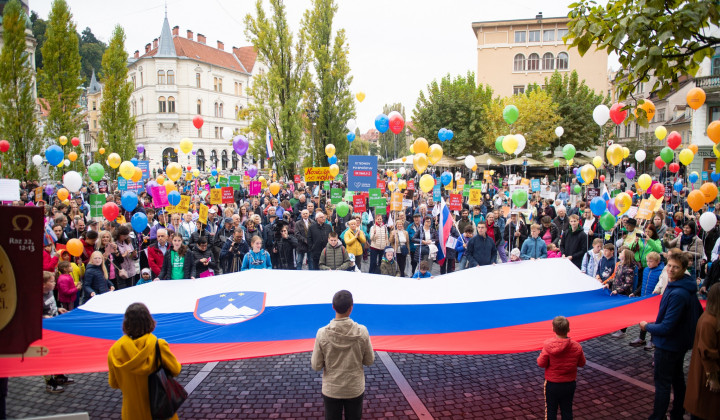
<point>515,53</point>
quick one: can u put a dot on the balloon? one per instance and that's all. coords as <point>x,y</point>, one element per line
<point>435,153</point>
<point>598,206</point>
<point>521,144</point>
<point>644,181</point>
<point>214,172</point>
<point>72,181</point>
<point>661,132</point>
<point>666,154</point>
<point>37,160</point>
<point>623,202</point>
<point>96,171</point>
<point>350,136</point>
<point>137,176</point>
<point>334,170</point>
<point>397,122</point>
<point>630,173</point>
<point>360,96</point>
<point>695,98</point>
<point>330,150</point>
<point>129,200</point>
<point>72,156</point>
<point>342,209</point>
<point>226,134</point>
<point>713,131</point>
<point>173,171</point>
<point>391,186</point>
<point>657,190</point>
<point>160,180</point>
<point>420,145</point>
<point>470,161</point>
<point>617,114</point>
<point>114,160</point>
<point>252,170</point>
<point>601,114</point>
<point>75,141</point>
<point>402,184</point>
<point>62,194</point>
<point>110,211</point>
<point>715,177</point>
<point>519,197</point>
<point>588,173</point>
<point>196,173</point>
<point>674,140</point>
<point>127,169</point>
<point>649,109</point>
<point>510,114</point>
<point>66,162</point>
<point>556,163</point>
<point>101,150</point>
<point>708,220</point>
<point>75,247</point>
<point>240,144</point>
<point>569,151</point>
<point>625,152</point>
<point>139,221</point>
<point>510,143</point>
<point>597,161</point>
<point>412,149</point>
<point>615,154</point>
<point>696,200</point>
<point>577,189</point>
<point>612,208</point>
<point>693,148</point>
<point>198,121</point>
<point>602,178</point>
<point>576,171</point>
<point>194,152</point>
<point>674,167</point>
<point>607,220</point>
<point>427,182</point>
<point>134,161</point>
<point>570,162</point>
<point>640,155</point>
<point>693,177</point>
<point>686,156</point>
<point>382,123</point>
<point>275,187</point>
<point>63,140</point>
<point>710,191</point>
<point>449,135</point>
<point>420,162</point>
<point>446,178</point>
<point>678,186</point>
<point>186,144</point>
<point>659,162</point>
<point>54,155</point>
<point>351,124</point>
<point>332,160</point>
<point>498,144</point>
<point>441,134</point>
<point>559,131</point>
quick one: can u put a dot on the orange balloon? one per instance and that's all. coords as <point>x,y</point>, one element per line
<point>63,194</point>
<point>649,108</point>
<point>696,200</point>
<point>101,151</point>
<point>72,156</point>
<point>713,131</point>
<point>710,191</point>
<point>74,247</point>
<point>137,175</point>
<point>693,148</point>
<point>695,98</point>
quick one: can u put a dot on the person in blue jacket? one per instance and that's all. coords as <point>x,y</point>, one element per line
<point>650,277</point>
<point>481,249</point>
<point>257,258</point>
<point>534,247</point>
<point>673,333</point>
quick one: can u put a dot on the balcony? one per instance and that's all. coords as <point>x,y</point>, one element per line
<point>167,120</point>
<point>708,83</point>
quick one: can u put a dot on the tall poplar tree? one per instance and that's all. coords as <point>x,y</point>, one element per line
<point>17,105</point>
<point>117,125</point>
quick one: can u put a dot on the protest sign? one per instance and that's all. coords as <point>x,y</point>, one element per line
<point>645,210</point>
<point>227,195</point>
<point>535,185</point>
<point>254,188</point>
<point>359,204</point>
<point>159,195</point>
<point>203,214</point>
<point>317,174</point>
<point>411,185</point>
<point>396,201</point>
<point>297,179</point>
<point>376,198</point>
<point>335,195</point>
<point>184,204</point>
<point>381,210</point>
<point>436,193</point>
<point>38,193</point>
<point>455,202</point>
<point>466,190</point>
<point>97,201</point>
<point>361,172</point>
<point>102,186</point>
<point>216,196</point>
<point>246,180</point>
<point>381,185</point>
<point>235,181</point>
<point>475,197</point>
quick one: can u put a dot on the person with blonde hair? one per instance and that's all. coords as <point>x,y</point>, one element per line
<point>96,280</point>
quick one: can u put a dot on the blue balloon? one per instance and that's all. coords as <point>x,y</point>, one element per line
<point>54,155</point>
<point>174,198</point>
<point>217,185</point>
<point>579,178</point>
<point>449,134</point>
<point>332,159</point>
<point>678,186</point>
<point>350,136</point>
<point>129,200</point>
<point>693,178</point>
<point>214,172</point>
<point>134,161</point>
<point>446,178</point>
<point>441,134</point>
<point>715,177</point>
<point>598,206</point>
<point>139,221</point>
<point>382,123</point>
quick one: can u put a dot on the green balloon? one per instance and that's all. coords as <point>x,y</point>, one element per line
<point>667,154</point>
<point>569,151</point>
<point>510,114</point>
<point>519,197</point>
<point>607,220</point>
<point>498,144</point>
<point>342,209</point>
<point>96,172</point>
<point>556,163</point>
<point>577,189</point>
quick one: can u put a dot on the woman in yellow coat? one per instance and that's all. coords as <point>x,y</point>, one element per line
<point>354,239</point>
<point>132,359</point>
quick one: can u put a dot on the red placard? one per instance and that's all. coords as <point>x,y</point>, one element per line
<point>455,202</point>
<point>411,185</point>
<point>359,204</point>
<point>298,179</point>
<point>227,195</point>
<point>381,185</point>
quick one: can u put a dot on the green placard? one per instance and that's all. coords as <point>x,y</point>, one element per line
<point>235,182</point>
<point>223,181</point>
<point>339,177</point>
<point>466,190</point>
<point>326,185</point>
<point>477,184</point>
<point>374,193</point>
<point>97,201</point>
<point>615,192</point>
<point>335,195</point>
<point>349,196</point>
<point>378,202</point>
<point>380,210</point>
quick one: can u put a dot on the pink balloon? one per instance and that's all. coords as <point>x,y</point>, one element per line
<point>617,114</point>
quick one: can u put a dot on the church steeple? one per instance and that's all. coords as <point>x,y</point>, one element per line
<point>166,48</point>
<point>94,86</point>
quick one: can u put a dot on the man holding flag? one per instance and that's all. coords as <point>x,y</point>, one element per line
<point>447,236</point>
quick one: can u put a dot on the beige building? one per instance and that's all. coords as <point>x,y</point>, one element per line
<point>515,53</point>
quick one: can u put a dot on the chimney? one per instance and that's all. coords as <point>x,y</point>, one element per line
<point>175,30</point>
<point>538,16</point>
<point>137,54</point>
<point>201,38</point>
<point>147,48</point>
<point>155,43</point>
<point>189,34</point>
<point>221,46</point>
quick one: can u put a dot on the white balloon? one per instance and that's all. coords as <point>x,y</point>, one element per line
<point>227,133</point>
<point>521,144</point>
<point>37,160</point>
<point>601,114</point>
<point>401,171</point>
<point>559,131</point>
<point>708,221</point>
<point>351,125</point>
<point>72,181</point>
<point>470,161</point>
<point>66,162</point>
<point>640,155</point>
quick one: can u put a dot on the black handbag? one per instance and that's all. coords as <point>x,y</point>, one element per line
<point>166,394</point>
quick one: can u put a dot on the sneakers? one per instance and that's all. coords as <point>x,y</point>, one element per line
<point>64,380</point>
<point>638,342</point>
<point>617,334</point>
<point>54,388</point>
<point>649,346</point>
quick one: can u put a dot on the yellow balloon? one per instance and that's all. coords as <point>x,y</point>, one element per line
<point>686,156</point>
<point>660,132</point>
<point>196,173</point>
<point>186,145</point>
<point>716,151</point>
<point>644,181</point>
<point>330,151</point>
<point>173,171</point>
<point>334,170</point>
<point>275,188</point>
<point>169,186</point>
<point>160,180</point>
<point>175,150</point>
<point>623,202</point>
<point>114,160</point>
<point>127,169</point>
<point>427,182</point>
<point>137,175</point>
<point>72,156</point>
<point>597,161</point>
<point>587,172</point>
<point>474,168</point>
<point>435,153</point>
<point>101,150</point>
<point>625,152</point>
<point>510,144</point>
<point>261,179</point>
<point>412,149</point>
<point>389,172</point>
<point>404,158</point>
<point>420,145</point>
<point>420,162</point>
<point>570,162</point>
<point>61,164</point>
<point>360,96</point>
<point>614,154</point>
<point>63,140</point>
<point>391,186</point>
<point>402,184</point>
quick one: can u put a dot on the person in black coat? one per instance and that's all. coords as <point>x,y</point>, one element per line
<point>179,249</point>
<point>233,252</point>
<point>302,233</point>
<point>319,232</point>
<point>422,244</point>
<point>516,231</point>
<point>481,248</point>
<point>286,249</point>
<point>574,243</point>
<point>203,259</point>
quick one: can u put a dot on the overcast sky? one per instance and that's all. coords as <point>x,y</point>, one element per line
<point>397,47</point>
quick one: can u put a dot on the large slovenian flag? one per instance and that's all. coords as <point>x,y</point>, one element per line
<point>269,143</point>
<point>444,227</point>
<point>260,313</point>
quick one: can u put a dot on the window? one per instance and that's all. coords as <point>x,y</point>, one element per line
<point>548,61</point>
<point>713,113</point>
<point>518,89</point>
<point>561,34</point>
<point>224,160</point>
<point>143,130</point>
<point>660,115</point>
<point>161,77</point>
<point>627,130</point>
<point>134,108</point>
<point>534,36</point>
<point>640,88</point>
<point>161,104</point>
<point>142,103</point>
<point>519,62</point>
<point>220,84</point>
<point>199,107</point>
<point>171,104</point>
<point>221,111</point>
<point>217,109</point>
<point>213,157</point>
<point>197,80</point>
<point>549,35</point>
<point>239,89</point>
<point>94,106</point>
<point>215,84</point>
<point>533,62</point>
<point>237,111</point>
<point>134,82</point>
<point>562,61</point>
<point>170,77</point>
<point>520,37</point>
<point>200,159</point>
<point>235,161</point>
<point>199,133</point>
<point>94,123</point>
<point>141,80</point>
<point>217,132</point>
<point>617,131</point>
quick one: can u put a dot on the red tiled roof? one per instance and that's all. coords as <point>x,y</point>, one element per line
<point>44,106</point>
<point>247,56</point>
<point>202,52</point>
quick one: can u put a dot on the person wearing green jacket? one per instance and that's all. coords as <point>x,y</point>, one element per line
<point>648,243</point>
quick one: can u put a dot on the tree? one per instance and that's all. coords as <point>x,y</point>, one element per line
<point>91,53</point>
<point>330,92</point>
<point>665,39</point>
<point>537,121</point>
<point>277,93</point>
<point>575,104</point>
<point>38,30</point>
<point>117,126</point>
<point>457,104</point>
<point>60,79</point>
<point>392,146</point>
<point>17,106</point>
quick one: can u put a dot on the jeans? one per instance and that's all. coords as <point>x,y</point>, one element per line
<point>334,408</point>
<point>669,374</point>
<point>375,258</point>
<point>559,394</point>
<point>462,264</point>
<point>301,257</point>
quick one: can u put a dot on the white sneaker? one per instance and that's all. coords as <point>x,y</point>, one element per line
<point>617,334</point>
<point>649,345</point>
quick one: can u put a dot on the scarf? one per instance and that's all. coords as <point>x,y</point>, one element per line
<point>686,240</point>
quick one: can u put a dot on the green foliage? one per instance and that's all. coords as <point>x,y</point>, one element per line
<point>91,53</point>
<point>277,93</point>
<point>458,105</point>
<point>665,39</point>
<point>38,30</point>
<point>390,146</point>
<point>17,106</point>
<point>117,125</point>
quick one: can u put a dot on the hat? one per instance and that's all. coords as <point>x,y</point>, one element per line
<point>212,211</point>
<point>389,249</point>
<point>146,270</point>
<point>228,220</point>
<point>416,214</point>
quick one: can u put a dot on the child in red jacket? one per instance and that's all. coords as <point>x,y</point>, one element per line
<point>560,357</point>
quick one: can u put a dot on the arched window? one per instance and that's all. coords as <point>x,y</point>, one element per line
<point>562,61</point>
<point>162,107</point>
<point>197,80</point>
<point>213,157</point>
<point>533,62</point>
<point>161,77</point>
<point>548,61</point>
<point>235,161</point>
<point>170,77</point>
<point>221,111</point>
<point>216,109</point>
<point>142,103</point>
<point>224,160</point>
<point>200,159</point>
<point>199,107</point>
<point>519,62</point>
<point>171,104</point>
<point>169,155</point>
<point>134,108</point>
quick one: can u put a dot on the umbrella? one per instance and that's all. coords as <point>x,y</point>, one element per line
<point>519,161</point>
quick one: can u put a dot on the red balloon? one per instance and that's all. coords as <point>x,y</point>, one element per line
<point>396,124</point>
<point>630,193</point>
<point>617,114</point>
<point>75,141</point>
<point>4,146</point>
<point>657,190</point>
<point>198,121</point>
<point>602,178</point>
<point>659,162</point>
<point>189,168</point>
<point>674,167</point>
<point>674,140</point>
<point>110,211</point>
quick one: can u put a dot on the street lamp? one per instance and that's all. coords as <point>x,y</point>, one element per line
<point>312,115</point>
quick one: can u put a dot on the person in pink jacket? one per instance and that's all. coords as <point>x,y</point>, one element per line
<point>67,290</point>
<point>560,357</point>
